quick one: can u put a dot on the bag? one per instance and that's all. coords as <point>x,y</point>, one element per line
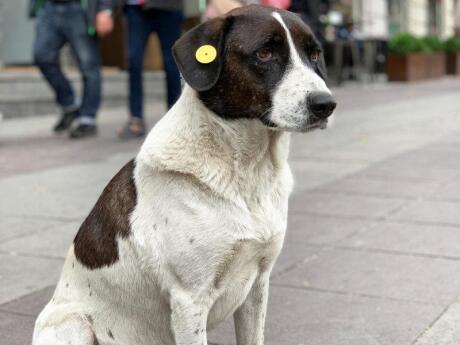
<point>284,4</point>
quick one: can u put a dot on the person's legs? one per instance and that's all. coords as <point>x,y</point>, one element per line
<point>86,51</point>
<point>138,33</point>
<point>49,40</point>
<point>168,26</point>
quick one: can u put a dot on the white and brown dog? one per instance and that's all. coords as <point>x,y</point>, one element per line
<point>186,235</point>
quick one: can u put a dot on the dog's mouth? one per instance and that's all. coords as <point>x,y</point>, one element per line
<point>317,124</point>
<point>311,125</point>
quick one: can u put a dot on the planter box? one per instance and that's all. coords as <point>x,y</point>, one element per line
<point>436,65</point>
<point>408,67</point>
<point>453,63</point>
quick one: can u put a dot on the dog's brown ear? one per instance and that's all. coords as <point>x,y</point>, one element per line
<point>202,74</point>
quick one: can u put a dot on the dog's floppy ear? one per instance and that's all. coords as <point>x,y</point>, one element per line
<point>202,73</point>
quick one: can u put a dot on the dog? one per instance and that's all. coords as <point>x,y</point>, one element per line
<point>186,235</point>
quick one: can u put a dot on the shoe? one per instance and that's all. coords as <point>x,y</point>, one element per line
<point>135,128</point>
<point>83,131</point>
<point>65,121</point>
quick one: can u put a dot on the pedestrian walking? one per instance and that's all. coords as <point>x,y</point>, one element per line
<point>217,8</point>
<point>78,23</point>
<point>311,12</point>
<point>143,18</point>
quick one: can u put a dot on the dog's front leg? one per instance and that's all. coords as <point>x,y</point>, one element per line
<point>188,321</point>
<point>250,317</point>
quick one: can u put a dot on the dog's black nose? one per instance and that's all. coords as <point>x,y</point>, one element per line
<point>321,104</point>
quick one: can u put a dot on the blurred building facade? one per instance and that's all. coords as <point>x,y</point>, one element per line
<point>17,30</point>
<point>371,19</point>
<point>423,17</point>
<point>383,18</point>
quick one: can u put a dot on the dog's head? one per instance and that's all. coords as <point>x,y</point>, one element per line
<point>258,62</point>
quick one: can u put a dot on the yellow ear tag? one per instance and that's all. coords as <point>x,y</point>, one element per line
<point>206,54</point>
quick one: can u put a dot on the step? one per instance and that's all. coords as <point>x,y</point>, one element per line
<point>24,92</point>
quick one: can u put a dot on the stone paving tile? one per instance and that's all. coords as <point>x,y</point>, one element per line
<point>446,330</point>
<point>343,205</point>
<point>382,94</point>
<point>14,227</point>
<point>433,155</point>
<point>449,190</point>
<point>437,212</point>
<point>16,329</point>
<point>21,140</point>
<point>54,194</point>
<point>292,255</point>
<point>50,152</point>
<point>30,304</point>
<point>20,275</point>
<point>343,153</point>
<point>411,278</point>
<point>297,316</point>
<point>53,242</point>
<point>320,167</point>
<point>417,239</point>
<point>309,174</point>
<point>317,229</point>
<point>401,168</point>
<point>382,186</point>
<point>450,142</point>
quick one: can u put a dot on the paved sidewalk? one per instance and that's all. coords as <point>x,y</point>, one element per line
<point>372,255</point>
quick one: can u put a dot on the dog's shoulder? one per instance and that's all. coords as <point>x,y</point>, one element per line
<point>96,242</point>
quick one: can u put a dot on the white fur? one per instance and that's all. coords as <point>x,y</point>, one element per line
<point>290,109</point>
<point>208,226</point>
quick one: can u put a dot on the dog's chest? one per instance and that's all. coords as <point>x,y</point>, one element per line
<point>219,234</point>
<point>202,237</point>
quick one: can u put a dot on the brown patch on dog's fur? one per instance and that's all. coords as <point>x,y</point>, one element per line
<point>96,242</point>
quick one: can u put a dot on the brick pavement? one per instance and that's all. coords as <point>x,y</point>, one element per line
<point>372,254</point>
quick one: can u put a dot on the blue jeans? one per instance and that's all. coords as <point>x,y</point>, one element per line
<point>167,24</point>
<point>58,24</point>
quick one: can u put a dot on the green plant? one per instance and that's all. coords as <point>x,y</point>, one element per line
<point>405,43</point>
<point>452,45</point>
<point>434,43</point>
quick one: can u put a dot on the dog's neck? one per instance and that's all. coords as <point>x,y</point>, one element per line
<point>226,155</point>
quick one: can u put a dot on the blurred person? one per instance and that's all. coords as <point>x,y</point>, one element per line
<point>217,8</point>
<point>311,12</point>
<point>143,18</point>
<point>77,23</point>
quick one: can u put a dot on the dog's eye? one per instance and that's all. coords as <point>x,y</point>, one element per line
<point>314,56</point>
<point>264,54</point>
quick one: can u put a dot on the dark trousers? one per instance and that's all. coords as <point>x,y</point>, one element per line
<point>58,24</point>
<point>141,23</point>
